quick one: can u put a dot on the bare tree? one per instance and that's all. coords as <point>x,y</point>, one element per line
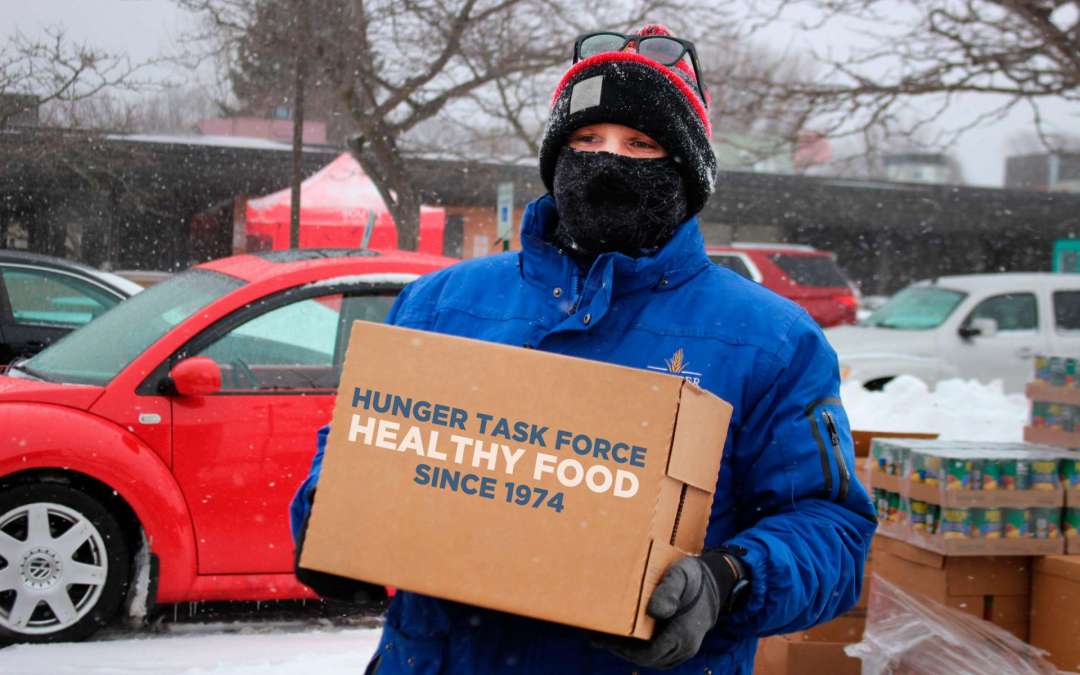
<point>922,57</point>
<point>53,73</point>
<point>394,67</point>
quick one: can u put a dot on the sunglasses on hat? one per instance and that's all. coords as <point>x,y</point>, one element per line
<point>663,49</point>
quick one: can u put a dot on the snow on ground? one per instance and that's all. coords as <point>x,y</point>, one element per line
<point>206,649</point>
<point>955,409</point>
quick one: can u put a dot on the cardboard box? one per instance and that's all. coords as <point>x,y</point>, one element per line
<point>784,655</point>
<point>995,589</point>
<point>863,438</point>
<point>1047,436</point>
<point>1055,610</point>
<point>938,576</point>
<point>1044,391</point>
<point>847,628</point>
<point>522,481</point>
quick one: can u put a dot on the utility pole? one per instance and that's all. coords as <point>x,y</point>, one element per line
<point>299,39</point>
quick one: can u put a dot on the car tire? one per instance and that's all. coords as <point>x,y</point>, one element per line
<point>63,564</point>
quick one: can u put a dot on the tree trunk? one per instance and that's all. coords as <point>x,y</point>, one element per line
<point>387,170</point>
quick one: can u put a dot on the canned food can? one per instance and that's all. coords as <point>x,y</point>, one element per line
<point>1040,413</point>
<point>1044,474</point>
<point>1017,524</point>
<point>894,506</point>
<point>958,474</point>
<point>919,509</point>
<point>1069,470</point>
<point>1071,366</point>
<point>1057,371</point>
<point>987,523</point>
<point>933,518</point>
<point>956,523</point>
<point>1042,368</point>
<point>1016,474</point>
<point>1071,522</point>
<point>991,474</point>
<point>1045,523</point>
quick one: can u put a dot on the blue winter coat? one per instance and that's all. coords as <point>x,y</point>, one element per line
<point>786,492</point>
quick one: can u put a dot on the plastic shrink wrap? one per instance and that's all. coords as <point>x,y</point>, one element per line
<point>908,635</point>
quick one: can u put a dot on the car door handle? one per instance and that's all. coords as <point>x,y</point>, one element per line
<point>1025,352</point>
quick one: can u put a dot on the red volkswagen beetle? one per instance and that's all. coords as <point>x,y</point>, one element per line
<point>154,451</point>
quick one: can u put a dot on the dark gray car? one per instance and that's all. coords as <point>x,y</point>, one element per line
<point>44,298</point>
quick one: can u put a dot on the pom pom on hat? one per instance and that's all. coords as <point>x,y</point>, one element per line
<point>635,91</point>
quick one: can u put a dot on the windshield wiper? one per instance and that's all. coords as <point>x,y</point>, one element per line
<point>29,371</point>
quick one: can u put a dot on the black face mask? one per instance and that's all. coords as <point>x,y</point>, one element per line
<point>609,202</point>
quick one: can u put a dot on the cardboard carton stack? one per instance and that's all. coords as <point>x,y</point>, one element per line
<point>1055,610</point>
<point>967,498</point>
<point>993,588</point>
<point>1055,420</point>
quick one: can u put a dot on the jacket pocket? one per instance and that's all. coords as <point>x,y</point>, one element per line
<point>398,655</point>
<point>824,417</point>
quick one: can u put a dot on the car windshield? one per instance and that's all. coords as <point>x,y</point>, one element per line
<point>95,353</point>
<point>811,270</point>
<point>916,308</point>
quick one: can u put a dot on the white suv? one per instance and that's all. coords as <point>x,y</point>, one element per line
<point>979,326</point>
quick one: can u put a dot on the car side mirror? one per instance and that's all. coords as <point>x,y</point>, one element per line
<point>982,327</point>
<point>196,376</point>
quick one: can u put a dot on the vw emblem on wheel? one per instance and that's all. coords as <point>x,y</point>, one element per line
<point>38,568</point>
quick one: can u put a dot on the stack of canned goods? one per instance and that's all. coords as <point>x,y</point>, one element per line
<point>1056,416</point>
<point>983,467</point>
<point>1058,371</point>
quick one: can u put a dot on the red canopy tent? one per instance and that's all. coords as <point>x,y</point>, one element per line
<point>335,205</point>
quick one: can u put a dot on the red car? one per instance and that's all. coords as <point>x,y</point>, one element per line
<point>155,450</point>
<point>803,274</point>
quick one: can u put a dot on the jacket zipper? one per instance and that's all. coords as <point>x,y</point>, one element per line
<point>834,441</point>
<point>577,292</point>
<point>834,437</point>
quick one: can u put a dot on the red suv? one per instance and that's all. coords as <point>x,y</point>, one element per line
<point>803,274</point>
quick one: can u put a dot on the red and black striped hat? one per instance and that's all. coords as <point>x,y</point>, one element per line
<point>635,91</point>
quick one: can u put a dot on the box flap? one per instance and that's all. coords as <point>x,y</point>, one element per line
<point>1065,566</point>
<point>701,424</point>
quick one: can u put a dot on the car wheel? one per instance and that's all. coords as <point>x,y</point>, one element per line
<point>63,564</point>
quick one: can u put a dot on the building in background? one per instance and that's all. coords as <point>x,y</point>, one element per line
<point>1048,171</point>
<point>934,168</point>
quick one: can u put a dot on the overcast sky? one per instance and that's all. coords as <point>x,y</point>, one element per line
<point>147,28</point>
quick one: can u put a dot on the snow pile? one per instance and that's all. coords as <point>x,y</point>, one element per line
<point>205,652</point>
<point>956,409</point>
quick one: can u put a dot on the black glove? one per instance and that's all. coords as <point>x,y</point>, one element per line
<point>331,586</point>
<point>691,596</point>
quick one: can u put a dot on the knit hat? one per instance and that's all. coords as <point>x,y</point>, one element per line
<point>635,91</point>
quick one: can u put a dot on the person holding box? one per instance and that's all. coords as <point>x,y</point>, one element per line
<point>613,268</point>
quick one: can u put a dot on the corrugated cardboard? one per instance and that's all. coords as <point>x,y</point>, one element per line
<point>783,655</point>
<point>1047,436</point>
<point>1044,391</point>
<point>992,588</point>
<point>862,438</point>
<point>938,576</point>
<point>847,628</point>
<point>589,558</point>
<point>1055,610</point>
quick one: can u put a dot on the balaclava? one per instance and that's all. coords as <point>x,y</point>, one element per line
<point>608,202</point>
